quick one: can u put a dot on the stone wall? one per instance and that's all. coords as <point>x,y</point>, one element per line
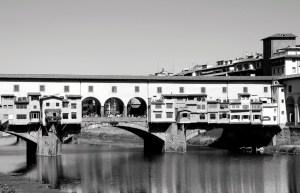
<point>288,136</point>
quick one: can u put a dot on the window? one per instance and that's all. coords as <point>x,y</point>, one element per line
<point>224,89</point>
<point>203,107</point>
<point>16,88</point>
<point>245,106</point>
<point>158,115</point>
<point>159,90</point>
<point>21,116</point>
<point>65,116</point>
<point>190,98</point>
<point>256,117</point>
<point>169,114</point>
<point>223,106</point>
<point>91,89</point>
<point>202,116</point>
<point>34,98</point>
<point>136,89</point>
<point>5,116</point>
<point>73,105</point>
<point>203,90</point>
<point>66,89</point>
<point>181,89</point>
<point>223,115</point>
<point>169,105</point>
<point>245,89</point>
<point>57,104</point>
<point>9,106</point>
<point>274,118</point>
<point>212,116</point>
<point>294,69</point>
<point>34,107</point>
<point>212,106</point>
<point>114,89</point>
<point>282,101</point>
<point>158,106</point>
<point>47,104</point>
<point>73,115</point>
<point>282,112</point>
<point>289,88</point>
<point>245,117</point>
<point>21,106</point>
<point>65,105</point>
<point>42,88</point>
<point>282,90</point>
<point>265,89</point>
<point>34,115</point>
<point>198,106</point>
<point>184,115</point>
<point>235,117</point>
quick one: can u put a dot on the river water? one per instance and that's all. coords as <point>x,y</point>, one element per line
<point>110,169</point>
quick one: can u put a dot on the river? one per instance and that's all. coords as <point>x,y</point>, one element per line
<point>111,169</point>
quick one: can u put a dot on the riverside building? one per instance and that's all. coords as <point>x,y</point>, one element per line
<point>280,57</point>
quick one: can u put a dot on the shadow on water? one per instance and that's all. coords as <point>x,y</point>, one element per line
<point>200,170</point>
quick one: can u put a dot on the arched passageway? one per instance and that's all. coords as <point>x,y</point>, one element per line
<point>290,109</point>
<point>137,107</point>
<point>113,107</point>
<point>91,107</point>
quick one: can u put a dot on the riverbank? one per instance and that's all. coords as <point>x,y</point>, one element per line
<point>18,184</point>
<point>282,149</point>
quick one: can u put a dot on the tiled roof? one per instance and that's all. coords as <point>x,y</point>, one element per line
<point>73,96</point>
<point>285,56</point>
<point>52,97</point>
<point>288,77</point>
<point>280,35</point>
<point>34,94</point>
<point>8,95</point>
<point>182,95</point>
<point>129,78</point>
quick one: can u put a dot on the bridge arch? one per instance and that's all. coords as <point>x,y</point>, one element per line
<point>137,107</point>
<point>91,107</point>
<point>152,142</point>
<point>290,109</point>
<point>114,107</point>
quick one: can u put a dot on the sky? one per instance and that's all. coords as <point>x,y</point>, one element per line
<point>135,37</point>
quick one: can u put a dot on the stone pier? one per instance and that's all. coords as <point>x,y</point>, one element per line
<point>48,145</point>
<point>175,139</point>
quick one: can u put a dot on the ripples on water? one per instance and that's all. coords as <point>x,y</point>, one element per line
<point>105,169</point>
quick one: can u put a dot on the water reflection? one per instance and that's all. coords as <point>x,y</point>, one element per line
<point>204,171</point>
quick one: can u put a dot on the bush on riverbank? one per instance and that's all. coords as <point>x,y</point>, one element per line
<point>4,188</point>
<point>286,149</point>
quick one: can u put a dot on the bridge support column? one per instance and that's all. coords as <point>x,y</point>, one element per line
<point>48,145</point>
<point>296,114</point>
<point>125,111</point>
<point>102,111</point>
<point>175,138</point>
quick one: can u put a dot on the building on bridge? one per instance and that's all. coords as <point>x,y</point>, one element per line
<point>35,109</point>
<point>193,108</point>
<point>131,96</point>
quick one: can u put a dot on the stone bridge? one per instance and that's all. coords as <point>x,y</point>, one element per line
<point>165,138</point>
<point>36,142</point>
<point>173,137</point>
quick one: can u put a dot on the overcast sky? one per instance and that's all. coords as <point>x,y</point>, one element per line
<point>135,36</point>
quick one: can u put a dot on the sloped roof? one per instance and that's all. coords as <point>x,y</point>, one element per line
<point>129,78</point>
<point>280,35</point>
